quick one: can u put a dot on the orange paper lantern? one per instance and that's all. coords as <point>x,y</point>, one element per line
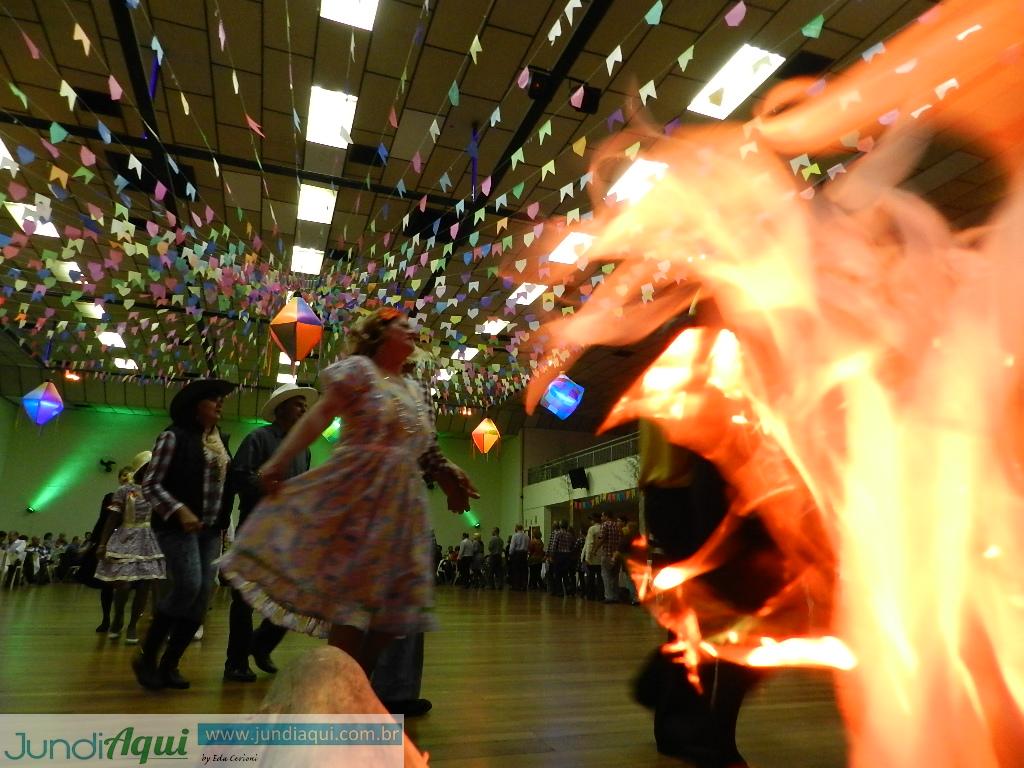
<point>486,435</point>
<point>296,329</point>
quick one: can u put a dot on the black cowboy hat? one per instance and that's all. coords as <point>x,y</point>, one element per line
<point>184,403</point>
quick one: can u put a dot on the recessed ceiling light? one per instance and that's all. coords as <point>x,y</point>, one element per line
<point>62,271</point>
<point>111,339</point>
<point>285,378</point>
<point>466,354</point>
<point>88,309</point>
<point>493,327</point>
<point>732,84</point>
<point>355,13</point>
<point>638,180</point>
<point>316,203</point>
<point>331,114</point>
<point>126,363</point>
<point>23,212</point>
<point>307,260</point>
<point>444,375</point>
<point>527,293</point>
<point>573,245</point>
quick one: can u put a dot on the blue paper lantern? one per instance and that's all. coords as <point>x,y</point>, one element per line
<point>562,397</point>
<point>43,403</point>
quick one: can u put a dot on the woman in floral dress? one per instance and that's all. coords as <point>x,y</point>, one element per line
<point>344,551</point>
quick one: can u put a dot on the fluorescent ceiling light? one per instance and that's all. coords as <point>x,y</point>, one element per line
<point>62,271</point>
<point>330,117</point>
<point>444,375</point>
<point>307,260</point>
<point>638,180</point>
<point>126,364</point>
<point>111,339</point>
<point>527,293</point>
<point>732,84</point>
<point>494,327</point>
<point>23,212</point>
<point>355,13</point>
<point>466,354</point>
<point>316,203</point>
<point>88,309</point>
<point>285,378</point>
<point>574,245</point>
<point>283,359</point>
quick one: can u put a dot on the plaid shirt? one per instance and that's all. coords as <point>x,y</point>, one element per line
<point>164,503</point>
<point>560,542</point>
<point>610,538</point>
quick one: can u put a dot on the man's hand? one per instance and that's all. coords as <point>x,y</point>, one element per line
<point>189,522</point>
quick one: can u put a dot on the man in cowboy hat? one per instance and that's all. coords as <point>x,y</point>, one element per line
<point>284,408</point>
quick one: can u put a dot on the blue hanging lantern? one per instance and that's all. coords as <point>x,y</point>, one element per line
<point>43,403</point>
<point>562,397</point>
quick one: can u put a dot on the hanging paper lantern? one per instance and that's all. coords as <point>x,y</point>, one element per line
<point>486,435</point>
<point>296,329</point>
<point>562,397</point>
<point>43,403</point>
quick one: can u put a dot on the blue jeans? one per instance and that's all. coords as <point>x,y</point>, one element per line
<point>190,570</point>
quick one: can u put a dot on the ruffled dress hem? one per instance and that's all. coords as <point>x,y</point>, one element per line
<point>415,620</point>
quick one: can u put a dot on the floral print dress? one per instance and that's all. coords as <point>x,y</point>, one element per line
<point>348,543</point>
<point>133,553</point>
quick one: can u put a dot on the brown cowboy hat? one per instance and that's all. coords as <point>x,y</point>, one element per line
<point>184,403</point>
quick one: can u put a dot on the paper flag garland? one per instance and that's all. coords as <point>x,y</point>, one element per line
<point>486,435</point>
<point>296,329</point>
<point>43,403</point>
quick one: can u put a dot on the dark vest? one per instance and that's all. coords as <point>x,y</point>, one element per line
<point>184,478</point>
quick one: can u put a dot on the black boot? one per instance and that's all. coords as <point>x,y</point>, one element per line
<point>177,642</point>
<point>145,663</point>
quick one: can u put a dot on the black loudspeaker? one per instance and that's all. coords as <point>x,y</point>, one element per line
<point>578,478</point>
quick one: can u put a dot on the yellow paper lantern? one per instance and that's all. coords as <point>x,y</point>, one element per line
<point>486,435</point>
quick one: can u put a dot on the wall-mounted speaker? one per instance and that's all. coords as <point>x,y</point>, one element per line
<point>578,478</point>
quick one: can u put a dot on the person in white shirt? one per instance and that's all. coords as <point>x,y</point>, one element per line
<point>592,559</point>
<point>517,558</point>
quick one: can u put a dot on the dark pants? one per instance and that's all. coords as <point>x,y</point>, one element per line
<point>242,641</point>
<point>595,588</point>
<point>701,726</point>
<point>517,569</point>
<point>190,570</point>
<point>465,567</point>
<point>496,571</point>
<point>563,580</point>
<point>398,673</point>
<point>535,580</point>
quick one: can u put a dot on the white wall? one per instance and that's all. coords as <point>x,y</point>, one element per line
<point>540,498</point>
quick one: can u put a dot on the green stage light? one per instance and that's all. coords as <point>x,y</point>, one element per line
<point>472,519</point>
<point>333,431</point>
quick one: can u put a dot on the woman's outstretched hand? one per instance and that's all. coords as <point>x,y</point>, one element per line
<point>457,487</point>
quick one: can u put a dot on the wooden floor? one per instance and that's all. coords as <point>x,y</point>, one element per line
<point>516,680</point>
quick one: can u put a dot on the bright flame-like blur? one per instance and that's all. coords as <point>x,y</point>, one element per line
<point>867,411</point>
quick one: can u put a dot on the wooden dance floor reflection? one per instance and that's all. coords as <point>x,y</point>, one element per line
<point>516,680</point>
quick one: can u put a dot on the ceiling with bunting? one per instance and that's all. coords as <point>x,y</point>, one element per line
<point>154,153</point>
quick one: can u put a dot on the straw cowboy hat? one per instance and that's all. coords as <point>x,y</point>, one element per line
<point>283,394</point>
<point>141,459</point>
<point>183,405</point>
